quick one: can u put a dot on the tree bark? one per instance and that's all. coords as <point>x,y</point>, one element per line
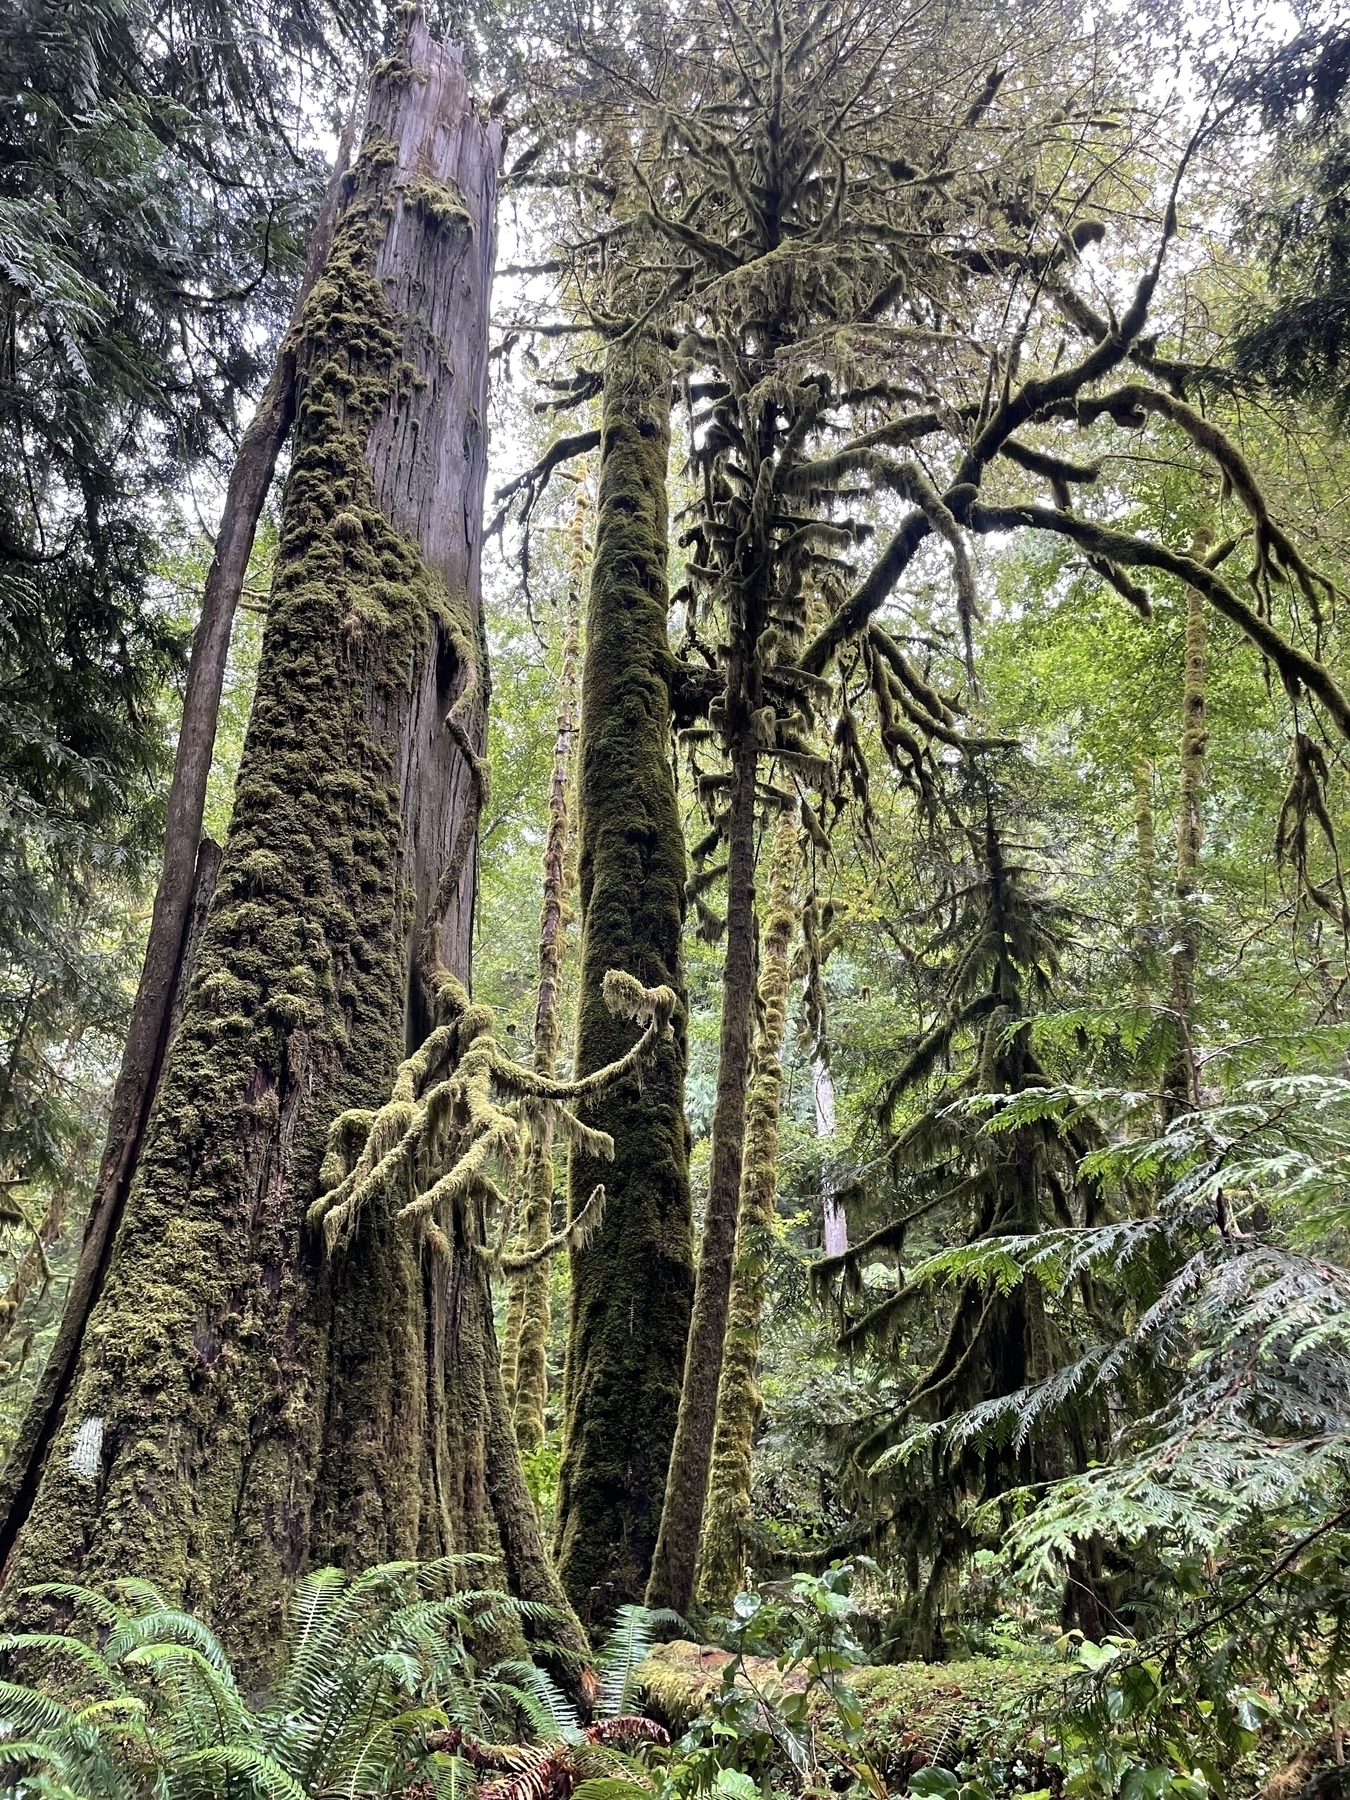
<point>632,1284</point>
<point>833,1218</point>
<point>675,1563</point>
<point>726,1520</point>
<point>1141,934</point>
<point>258,1409</point>
<point>524,1361</point>
<point>166,966</point>
<point>1182,1081</point>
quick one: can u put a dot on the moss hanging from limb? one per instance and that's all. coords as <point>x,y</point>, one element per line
<point>1182,1080</point>
<point>726,1518</point>
<point>524,1366</point>
<point>460,1108</point>
<point>632,1286</point>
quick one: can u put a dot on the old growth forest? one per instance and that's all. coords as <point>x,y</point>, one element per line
<point>674,900</point>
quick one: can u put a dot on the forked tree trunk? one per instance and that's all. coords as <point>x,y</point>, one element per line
<point>631,1285</point>
<point>239,1409</point>
<point>727,1515</point>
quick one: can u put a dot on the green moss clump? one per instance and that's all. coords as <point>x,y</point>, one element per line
<point>632,1286</point>
<point>439,202</point>
<point>257,1413</point>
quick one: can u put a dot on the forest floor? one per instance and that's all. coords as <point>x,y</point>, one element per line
<point>997,1709</point>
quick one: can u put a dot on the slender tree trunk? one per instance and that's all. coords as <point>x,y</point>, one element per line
<point>726,1521</point>
<point>1182,1083</point>
<point>167,963</point>
<point>833,1218</point>
<point>676,1559</point>
<point>239,1408</point>
<point>631,1285</point>
<point>527,1321</point>
<point>1145,873</point>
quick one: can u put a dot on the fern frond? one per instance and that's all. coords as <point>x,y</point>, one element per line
<point>623,1653</point>
<point>265,1772</point>
<point>70,1593</point>
<point>52,1643</point>
<point>139,1592</point>
<point>30,1710</point>
<point>550,1713</point>
<point>168,1625</point>
<point>612,1787</point>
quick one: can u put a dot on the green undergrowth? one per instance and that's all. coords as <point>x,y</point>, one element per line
<point>913,1714</point>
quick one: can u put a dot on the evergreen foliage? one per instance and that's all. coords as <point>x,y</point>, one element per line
<point>153,207</point>
<point>1300,343</point>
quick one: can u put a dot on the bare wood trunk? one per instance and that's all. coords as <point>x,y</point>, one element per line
<point>162,979</point>
<point>254,1407</point>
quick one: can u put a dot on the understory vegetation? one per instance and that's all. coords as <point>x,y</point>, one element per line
<point>675,1019</point>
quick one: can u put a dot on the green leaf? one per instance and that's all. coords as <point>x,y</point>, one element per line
<point>736,1785</point>
<point>933,1781</point>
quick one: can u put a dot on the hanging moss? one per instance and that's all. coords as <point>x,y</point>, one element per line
<point>632,1287</point>
<point>727,1516</point>
<point>201,1375</point>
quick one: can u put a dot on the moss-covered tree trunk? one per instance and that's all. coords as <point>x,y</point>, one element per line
<point>241,1409</point>
<point>172,937</point>
<point>726,1518</point>
<point>676,1561</point>
<point>524,1351</point>
<point>632,1284</point>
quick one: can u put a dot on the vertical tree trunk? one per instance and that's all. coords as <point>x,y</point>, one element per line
<point>675,1563</point>
<point>240,1408</point>
<point>167,961</point>
<point>722,1553</point>
<point>1182,1083</point>
<point>833,1218</point>
<point>1144,876</point>
<point>631,1285</point>
<point>524,1356</point>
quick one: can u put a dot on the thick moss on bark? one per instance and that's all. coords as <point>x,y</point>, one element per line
<point>239,1410</point>
<point>632,1285</point>
<point>726,1517</point>
<point>287,1022</point>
